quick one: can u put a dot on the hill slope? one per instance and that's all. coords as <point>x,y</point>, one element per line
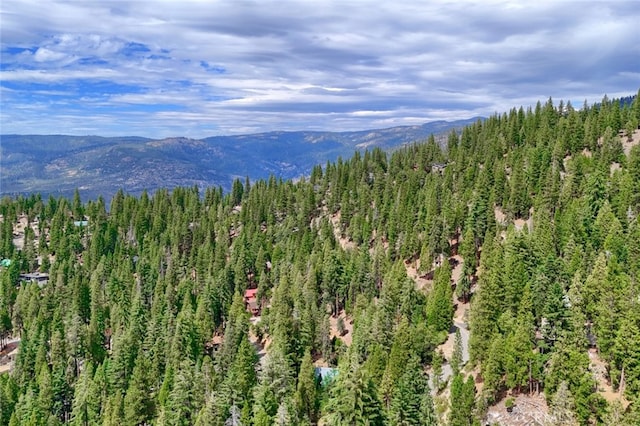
<point>509,272</point>
<point>58,164</point>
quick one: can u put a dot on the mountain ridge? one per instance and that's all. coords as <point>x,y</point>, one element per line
<point>99,165</point>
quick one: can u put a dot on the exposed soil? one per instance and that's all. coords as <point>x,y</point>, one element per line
<point>628,144</point>
<point>345,243</point>
<point>19,229</point>
<point>599,369</point>
<point>260,345</point>
<point>422,282</point>
<point>8,355</point>
<point>528,410</point>
<point>348,328</point>
<point>501,218</point>
<point>456,272</point>
<point>614,168</point>
<point>520,224</point>
<point>459,321</point>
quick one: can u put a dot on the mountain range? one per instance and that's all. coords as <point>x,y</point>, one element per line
<point>58,164</point>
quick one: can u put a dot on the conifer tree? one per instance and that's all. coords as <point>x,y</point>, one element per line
<point>353,399</point>
<point>306,399</point>
<point>462,401</point>
<point>440,306</point>
<point>456,357</point>
<point>139,400</point>
<point>411,403</point>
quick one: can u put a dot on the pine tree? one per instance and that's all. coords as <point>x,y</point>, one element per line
<point>411,402</point>
<point>440,307</point>
<point>139,402</point>
<point>397,362</point>
<point>80,409</point>
<point>306,399</point>
<point>180,408</point>
<point>353,400</point>
<point>456,358</point>
<point>462,401</point>
<point>562,407</point>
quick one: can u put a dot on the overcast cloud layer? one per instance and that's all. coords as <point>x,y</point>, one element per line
<point>203,68</point>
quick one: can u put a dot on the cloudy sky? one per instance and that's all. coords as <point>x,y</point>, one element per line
<point>202,68</point>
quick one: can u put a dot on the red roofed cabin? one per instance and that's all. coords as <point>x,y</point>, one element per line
<point>251,301</point>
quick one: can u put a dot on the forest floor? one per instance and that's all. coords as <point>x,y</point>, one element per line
<point>628,144</point>
<point>260,345</point>
<point>422,282</point>
<point>18,232</point>
<point>347,335</point>
<point>8,354</point>
<point>599,369</point>
<point>345,243</point>
<point>529,410</point>
<point>459,323</point>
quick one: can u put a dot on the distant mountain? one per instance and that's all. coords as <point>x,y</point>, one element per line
<point>57,164</point>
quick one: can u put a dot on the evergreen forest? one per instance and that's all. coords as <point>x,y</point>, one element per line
<point>526,224</point>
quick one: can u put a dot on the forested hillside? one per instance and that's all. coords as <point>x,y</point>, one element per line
<point>99,166</point>
<point>145,318</point>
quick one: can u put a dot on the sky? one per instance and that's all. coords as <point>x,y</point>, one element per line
<point>205,68</point>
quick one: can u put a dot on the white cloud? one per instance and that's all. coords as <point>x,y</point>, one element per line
<point>164,68</point>
<point>45,55</point>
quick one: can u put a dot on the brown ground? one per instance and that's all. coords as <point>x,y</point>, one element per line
<point>260,345</point>
<point>348,326</point>
<point>501,218</point>
<point>345,243</point>
<point>599,369</point>
<point>8,355</point>
<point>422,283</point>
<point>628,144</point>
<point>614,168</point>
<point>529,410</point>
<point>18,231</point>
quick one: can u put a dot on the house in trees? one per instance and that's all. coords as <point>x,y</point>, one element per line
<point>39,278</point>
<point>251,301</point>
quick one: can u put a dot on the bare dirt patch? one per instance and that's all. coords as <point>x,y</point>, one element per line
<point>344,242</point>
<point>501,218</point>
<point>528,410</point>
<point>614,168</point>
<point>456,272</point>
<point>520,223</point>
<point>261,346</point>
<point>598,368</point>
<point>347,335</point>
<point>422,282</point>
<point>628,144</point>
<point>8,355</point>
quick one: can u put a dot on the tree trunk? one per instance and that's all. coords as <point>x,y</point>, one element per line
<point>530,380</point>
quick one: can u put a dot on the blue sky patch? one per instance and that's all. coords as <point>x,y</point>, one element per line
<point>190,68</point>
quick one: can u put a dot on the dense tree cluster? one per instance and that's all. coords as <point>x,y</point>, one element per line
<point>143,319</point>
